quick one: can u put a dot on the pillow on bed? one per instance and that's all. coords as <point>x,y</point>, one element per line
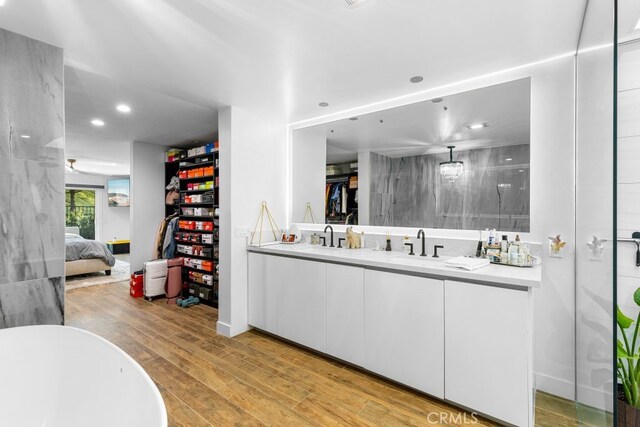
<point>72,236</point>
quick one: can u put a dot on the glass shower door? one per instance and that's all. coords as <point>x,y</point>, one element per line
<point>596,232</point>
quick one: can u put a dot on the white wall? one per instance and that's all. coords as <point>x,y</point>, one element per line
<point>552,205</point>
<point>253,165</point>
<point>310,174</point>
<point>147,200</point>
<point>110,222</point>
<point>628,174</point>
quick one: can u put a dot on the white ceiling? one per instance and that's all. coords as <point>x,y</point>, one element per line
<point>285,56</point>
<point>154,118</point>
<point>98,155</point>
<point>428,127</point>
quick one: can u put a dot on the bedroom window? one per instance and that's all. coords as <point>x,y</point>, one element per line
<point>81,211</point>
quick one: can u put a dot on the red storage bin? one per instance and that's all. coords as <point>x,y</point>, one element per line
<point>135,284</point>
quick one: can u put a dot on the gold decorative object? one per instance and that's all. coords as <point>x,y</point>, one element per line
<point>353,239</point>
<point>309,214</point>
<point>277,231</point>
<point>556,246</point>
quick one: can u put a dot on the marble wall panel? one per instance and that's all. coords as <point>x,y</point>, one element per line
<point>493,193</point>
<point>32,248</point>
<point>34,302</point>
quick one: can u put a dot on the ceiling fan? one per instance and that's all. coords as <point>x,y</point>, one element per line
<point>70,168</point>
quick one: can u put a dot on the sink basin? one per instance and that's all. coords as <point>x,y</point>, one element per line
<point>417,260</point>
<point>427,258</point>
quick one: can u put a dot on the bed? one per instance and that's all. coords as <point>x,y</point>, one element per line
<point>85,256</point>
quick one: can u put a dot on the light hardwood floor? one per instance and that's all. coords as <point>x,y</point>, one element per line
<point>255,379</point>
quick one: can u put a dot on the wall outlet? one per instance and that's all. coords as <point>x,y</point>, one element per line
<point>242,231</point>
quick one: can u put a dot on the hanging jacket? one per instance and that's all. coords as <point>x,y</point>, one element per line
<point>169,245</point>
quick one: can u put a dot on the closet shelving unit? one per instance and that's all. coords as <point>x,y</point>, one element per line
<point>202,241</point>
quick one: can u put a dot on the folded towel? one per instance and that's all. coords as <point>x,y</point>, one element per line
<point>467,263</point>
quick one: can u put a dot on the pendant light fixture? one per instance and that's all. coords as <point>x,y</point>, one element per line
<point>451,170</point>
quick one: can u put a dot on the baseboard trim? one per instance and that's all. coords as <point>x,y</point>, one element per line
<point>555,386</point>
<point>223,329</point>
<point>227,330</point>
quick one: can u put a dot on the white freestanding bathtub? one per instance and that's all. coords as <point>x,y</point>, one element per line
<point>62,376</point>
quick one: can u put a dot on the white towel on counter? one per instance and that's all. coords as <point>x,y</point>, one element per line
<point>467,263</point>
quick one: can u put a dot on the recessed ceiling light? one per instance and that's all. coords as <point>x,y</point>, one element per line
<point>123,108</point>
<point>24,136</point>
<point>508,159</point>
<point>353,119</point>
<point>520,170</point>
<point>324,104</point>
<point>97,122</point>
<point>416,79</point>
<point>436,100</point>
<point>476,126</point>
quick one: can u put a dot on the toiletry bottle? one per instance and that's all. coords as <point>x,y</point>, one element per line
<point>492,237</point>
<point>513,254</point>
<point>405,247</point>
<point>504,244</point>
<point>479,247</point>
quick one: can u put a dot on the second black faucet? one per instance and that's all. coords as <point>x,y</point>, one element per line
<point>328,227</point>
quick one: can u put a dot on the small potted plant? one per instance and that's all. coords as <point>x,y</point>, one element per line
<point>628,368</point>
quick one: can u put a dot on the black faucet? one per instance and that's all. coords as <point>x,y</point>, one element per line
<point>328,227</point>
<point>435,250</point>
<point>340,240</point>
<point>411,247</point>
<point>421,235</point>
<point>324,240</point>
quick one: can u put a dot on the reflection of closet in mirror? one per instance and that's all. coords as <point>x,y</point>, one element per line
<point>341,194</point>
<point>397,154</point>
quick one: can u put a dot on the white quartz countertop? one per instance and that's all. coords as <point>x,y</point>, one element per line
<point>401,262</point>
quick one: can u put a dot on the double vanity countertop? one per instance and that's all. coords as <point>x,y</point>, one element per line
<point>410,264</point>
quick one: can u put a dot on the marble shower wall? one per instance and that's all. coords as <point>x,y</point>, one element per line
<point>32,250</point>
<point>493,193</point>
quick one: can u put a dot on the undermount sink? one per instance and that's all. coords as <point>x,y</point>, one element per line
<point>417,259</point>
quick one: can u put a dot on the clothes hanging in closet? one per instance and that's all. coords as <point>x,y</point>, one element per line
<point>169,245</point>
<point>336,198</point>
<point>160,235</point>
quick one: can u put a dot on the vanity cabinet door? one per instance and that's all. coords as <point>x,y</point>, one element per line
<point>301,301</point>
<point>404,329</point>
<point>262,293</point>
<point>488,344</point>
<point>345,313</point>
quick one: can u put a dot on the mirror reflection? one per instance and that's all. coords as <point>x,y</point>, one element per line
<point>456,162</point>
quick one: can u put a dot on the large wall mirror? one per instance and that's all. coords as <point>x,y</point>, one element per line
<point>456,162</point>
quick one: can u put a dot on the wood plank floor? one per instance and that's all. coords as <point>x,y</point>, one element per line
<point>255,379</point>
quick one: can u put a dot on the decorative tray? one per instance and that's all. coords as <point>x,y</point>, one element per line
<point>512,265</point>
